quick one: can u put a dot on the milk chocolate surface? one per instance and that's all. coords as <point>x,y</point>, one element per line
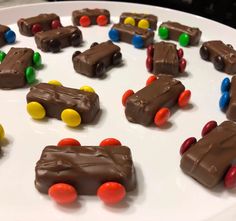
<point>142,106</point>
<point>12,68</point>
<point>55,99</point>
<point>85,167</point>
<point>208,160</point>
<point>3,30</point>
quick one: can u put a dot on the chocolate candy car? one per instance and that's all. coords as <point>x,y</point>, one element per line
<point>184,34</point>
<point>86,17</point>
<point>221,55</point>
<point>7,36</point>
<point>94,61</point>
<point>70,105</point>
<point>43,22</point>
<point>151,104</point>
<point>139,37</point>
<point>17,67</point>
<point>68,169</point>
<point>140,20</point>
<point>164,58</point>
<point>54,40</point>
<point>212,158</point>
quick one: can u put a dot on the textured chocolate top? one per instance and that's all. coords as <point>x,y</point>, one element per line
<point>142,106</point>
<point>208,160</point>
<point>45,20</point>
<point>176,29</point>
<point>3,29</point>
<point>55,99</point>
<point>231,110</point>
<point>86,167</point>
<point>12,68</point>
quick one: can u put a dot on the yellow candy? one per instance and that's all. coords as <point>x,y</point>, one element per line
<point>55,82</point>
<point>36,110</point>
<point>71,117</point>
<point>87,88</point>
<point>129,20</point>
<point>143,23</point>
<point>2,133</point>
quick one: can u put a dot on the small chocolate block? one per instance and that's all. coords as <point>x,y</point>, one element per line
<point>94,61</point>
<point>3,30</point>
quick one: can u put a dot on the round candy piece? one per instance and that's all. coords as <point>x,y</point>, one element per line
<point>88,89</point>
<point>204,53</point>
<point>137,41</point>
<point>184,39</point>
<point>187,144</point>
<point>143,23</point>
<point>125,96</point>
<point>162,116</point>
<point>150,50</point>
<point>163,32</point>
<point>68,142</point>
<point>182,65</point>
<point>102,20</point>
<point>114,35</point>
<point>37,60</point>
<point>180,53</point>
<point>151,79</point>
<point>2,56</point>
<point>149,63</point>
<point>55,82</point>
<point>110,142</point>
<point>111,192</point>
<point>208,127</point>
<point>224,100</point>
<point>130,21</point>
<point>84,21</point>
<point>71,117</point>
<point>10,36</point>
<point>2,132</point>
<point>30,75</point>
<point>230,178</point>
<point>62,193</point>
<point>36,28</point>
<point>36,110</point>
<point>184,98</point>
<point>225,85</point>
<point>218,63</point>
<point>56,24</point>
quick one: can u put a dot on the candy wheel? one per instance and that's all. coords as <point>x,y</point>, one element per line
<point>62,193</point>
<point>163,33</point>
<point>126,95</point>
<point>54,45</point>
<point>218,63</point>
<point>2,132</point>
<point>204,53</point>
<point>182,65</point>
<point>37,60</point>
<point>116,58</point>
<point>36,110</point>
<point>99,69</point>
<point>149,63</point>
<point>55,82</point>
<point>56,24</point>
<point>151,79</point>
<point>36,28</point>
<point>208,127</point>
<point>76,53</point>
<point>71,117</point>
<point>102,20</point>
<point>2,56</point>
<point>184,39</point>
<point>114,35</point>
<point>30,75</point>
<point>137,41</point>
<point>143,23</point>
<point>129,21</point>
<point>68,142</point>
<point>162,116</point>
<point>84,21</point>
<point>180,53</point>
<point>230,178</point>
<point>93,44</point>
<point>225,85</point>
<point>10,36</point>
<point>150,50</point>
<point>224,100</point>
<point>87,88</point>
<point>184,98</point>
<point>76,39</point>
<point>110,142</point>
<point>111,192</point>
<point>187,144</point>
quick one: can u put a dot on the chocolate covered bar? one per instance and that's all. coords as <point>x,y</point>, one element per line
<point>164,58</point>
<point>54,40</point>
<point>151,104</point>
<point>86,17</point>
<point>184,34</point>
<point>16,67</point>
<point>7,36</point>
<point>42,22</point>
<point>94,61</point>
<point>140,20</point>
<point>209,160</point>
<point>68,104</point>
<point>223,56</point>
<point>139,37</point>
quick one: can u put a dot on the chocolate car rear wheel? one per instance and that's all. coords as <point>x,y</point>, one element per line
<point>99,69</point>
<point>116,58</point>
<point>54,45</point>
<point>204,53</point>
<point>76,39</point>
<point>93,44</point>
<point>218,62</point>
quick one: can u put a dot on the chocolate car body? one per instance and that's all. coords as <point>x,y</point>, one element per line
<point>95,60</point>
<point>42,22</point>
<point>221,55</point>
<point>7,36</point>
<point>54,40</point>
<point>140,20</point>
<point>139,37</point>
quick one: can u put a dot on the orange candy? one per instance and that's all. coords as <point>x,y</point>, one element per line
<point>84,21</point>
<point>126,95</point>
<point>110,142</point>
<point>162,116</point>
<point>184,98</point>
<point>68,142</point>
<point>151,79</point>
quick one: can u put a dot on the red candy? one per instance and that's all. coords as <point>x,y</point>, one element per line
<point>180,53</point>
<point>125,96</point>
<point>62,193</point>
<point>187,144</point>
<point>84,21</point>
<point>150,50</point>
<point>182,65</point>
<point>36,28</point>
<point>110,142</point>
<point>230,178</point>
<point>151,79</point>
<point>184,98</point>
<point>111,192</point>
<point>68,142</point>
<point>102,20</point>
<point>208,127</point>
<point>162,116</point>
<point>149,63</point>
<point>56,24</point>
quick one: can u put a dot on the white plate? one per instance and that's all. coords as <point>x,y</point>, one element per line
<point>164,192</point>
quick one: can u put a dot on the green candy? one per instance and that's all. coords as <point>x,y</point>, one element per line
<point>30,75</point>
<point>163,32</point>
<point>2,56</point>
<point>184,39</point>
<point>37,60</point>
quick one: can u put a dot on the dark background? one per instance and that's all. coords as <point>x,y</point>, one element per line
<point>223,11</point>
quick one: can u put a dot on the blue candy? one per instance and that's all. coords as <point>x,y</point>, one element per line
<point>10,36</point>
<point>137,41</point>
<point>225,85</point>
<point>114,35</point>
<point>224,100</point>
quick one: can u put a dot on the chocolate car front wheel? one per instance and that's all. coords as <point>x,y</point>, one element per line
<point>54,45</point>
<point>218,63</point>
<point>204,53</point>
<point>99,69</point>
<point>116,58</point>
<point>76,39</point>
<point>93,44</point>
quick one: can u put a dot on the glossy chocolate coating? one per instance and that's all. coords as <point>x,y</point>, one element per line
<point>176,29</point>
<point>127,33</point>
<point>231,109</point>
<point>208,160</point>
<point>12,68</point>
<point>165,58</point>
<point>55,39</point>
<point>152,19</point>
<point>223,56</point>
<point>3,29</point>
<point>87,62</point>
<point>55,99</point>
<point>91,13</point>
<point>85,167</point>
<point>142,106</point>
<point>45,20</point>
